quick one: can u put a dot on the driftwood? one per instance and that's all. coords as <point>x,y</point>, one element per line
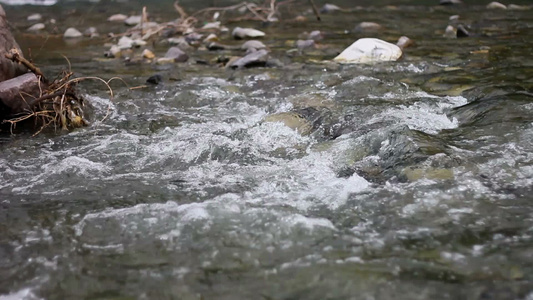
<point>26,96</point>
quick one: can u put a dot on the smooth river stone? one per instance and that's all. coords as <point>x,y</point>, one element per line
<point>242,33</point>
<point>36,27</point>
<point>369,50</point>
<point>496,5</point>
<point>72,33</point>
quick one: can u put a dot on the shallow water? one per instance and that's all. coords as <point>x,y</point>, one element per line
<point>405,180</point>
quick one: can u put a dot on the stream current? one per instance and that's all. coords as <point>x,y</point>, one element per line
<point>402,180</point>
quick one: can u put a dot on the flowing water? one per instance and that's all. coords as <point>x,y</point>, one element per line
<point>403,180</point>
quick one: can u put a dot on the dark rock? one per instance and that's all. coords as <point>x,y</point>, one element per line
<point>155,79</point>
<point>176,54</point>
<point>450,2</point>
<point>214,46</point>
<point>254,59</point>
<point>462,32</point>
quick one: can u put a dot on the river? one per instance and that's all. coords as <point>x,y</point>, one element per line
<point>404,180</point>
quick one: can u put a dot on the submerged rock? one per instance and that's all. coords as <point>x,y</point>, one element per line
<point>72,33</point>
<point>292,120</point>
<point>496,5</point>
<point>242,33</point>
<point>369,50</point>
<point>414,174</point>
<point>304,120</point>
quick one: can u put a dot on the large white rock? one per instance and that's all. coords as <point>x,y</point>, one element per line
<point>242,33</point>
<point>369,50</point>
<point>72,33</point>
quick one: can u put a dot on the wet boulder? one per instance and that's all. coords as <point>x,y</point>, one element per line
<point>369,50</point>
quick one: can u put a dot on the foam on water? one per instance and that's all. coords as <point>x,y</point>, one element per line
<point>24,294</point>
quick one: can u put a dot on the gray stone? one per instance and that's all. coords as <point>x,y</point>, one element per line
<point>257,58</point>
<point>404,42</point>
<point>316,35</point>
<point>176,54</point>
<point>304,44</point>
